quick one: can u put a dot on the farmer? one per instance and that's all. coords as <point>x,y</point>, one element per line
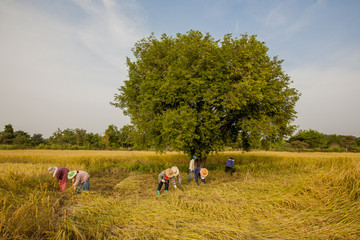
<point>80,180</point>
<point>164,177</point>
<point>176,172</point>
<point>61,174</point>
<point>230,166</point>
<point>200,173</point>
<point>192,167</point>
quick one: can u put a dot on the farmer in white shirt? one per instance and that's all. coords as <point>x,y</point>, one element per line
<point>192,168</point>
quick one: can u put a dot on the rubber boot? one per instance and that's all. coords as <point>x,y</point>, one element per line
<point>166,191</point>
<point>158,192</point>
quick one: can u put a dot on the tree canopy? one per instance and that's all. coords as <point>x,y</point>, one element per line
<point>197,94</point>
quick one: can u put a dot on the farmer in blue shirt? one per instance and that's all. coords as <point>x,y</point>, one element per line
<point>230,166</point>
<point>200,173</point>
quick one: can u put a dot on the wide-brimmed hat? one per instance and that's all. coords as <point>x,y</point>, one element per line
<point>175,170</point>
<point>169,173</point>
<point>204,172</point>
<point>52,170</point>
<point>72,174</point>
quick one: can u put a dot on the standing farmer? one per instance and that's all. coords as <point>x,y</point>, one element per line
<point>164,177</point>
<point>200,173</point>
<point>230,166</point>
<point>61,174</point>
<point>80,180</point>
<point>192,167</point>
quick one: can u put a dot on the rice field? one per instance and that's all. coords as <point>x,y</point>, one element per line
<point>272,195</point>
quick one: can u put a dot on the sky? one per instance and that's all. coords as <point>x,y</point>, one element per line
<point>62,62</point>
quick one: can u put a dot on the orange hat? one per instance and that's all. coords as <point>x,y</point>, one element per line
<point>204,172</point>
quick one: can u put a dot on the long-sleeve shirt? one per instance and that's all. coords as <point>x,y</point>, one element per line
<point>192,165</point>
<point>197,171</point>
<point>230,163</point>
<point>198,175</point>
<point>81,177</point>
<point>162,176</point>
<point>62,174</point>
<point>179,178</point>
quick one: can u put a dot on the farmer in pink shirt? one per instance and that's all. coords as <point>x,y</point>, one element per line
<point>61,174</point>
<point>80,180</point>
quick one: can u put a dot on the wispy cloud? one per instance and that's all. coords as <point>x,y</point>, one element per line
<point>60,73</point>
<point>112,28</point>
<point>275,18</point>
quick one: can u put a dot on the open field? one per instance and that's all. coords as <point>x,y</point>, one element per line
<point>272,195</point>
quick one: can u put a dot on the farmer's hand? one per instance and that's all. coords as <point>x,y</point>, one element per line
<point>175,186</point>
<point>162,180</point>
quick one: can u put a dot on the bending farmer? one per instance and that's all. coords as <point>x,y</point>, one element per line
<point>176,172</point>
<point>80,180</point>
<point>164,177</point>
<point>230,166</point>
<point>61,174</point>
<point>200,173</point>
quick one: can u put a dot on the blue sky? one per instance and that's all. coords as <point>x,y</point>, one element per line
<point>61,62</point>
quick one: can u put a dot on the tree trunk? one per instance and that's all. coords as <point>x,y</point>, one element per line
<point>201,162</point>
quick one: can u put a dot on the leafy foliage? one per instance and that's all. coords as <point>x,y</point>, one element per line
<point>197,94</point>
<point>313,139</point>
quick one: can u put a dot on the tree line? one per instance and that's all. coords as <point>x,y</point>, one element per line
<point>74,139</point>
<point>129,138</point>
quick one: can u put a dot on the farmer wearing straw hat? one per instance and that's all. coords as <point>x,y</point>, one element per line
<point>176,172</point>
<point>164,177</point>
<point>200,173</point>
<point>61,174</point>
<point>80,180</point>
<point>192,167</point>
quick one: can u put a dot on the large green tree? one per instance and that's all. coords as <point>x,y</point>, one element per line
<point>197,94</point>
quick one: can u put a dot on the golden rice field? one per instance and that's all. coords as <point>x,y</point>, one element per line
<point>272,195</point>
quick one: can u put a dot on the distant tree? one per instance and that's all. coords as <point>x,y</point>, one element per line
<point>9,129</point>
<point>56,137</point>
<point>313,138</point>
<point>69,137</point>
<point>126,136</point>
<point>21,138</point>
<point>7,136</point>
<point>358,141</point>
<point>196,94</point>
<point>80,136</point>
<point>299,145</point>
<point>348,142</point>
<point>93,141</point>
<point>333,140</point>
<point>111,138</point>
<point>37,139</point>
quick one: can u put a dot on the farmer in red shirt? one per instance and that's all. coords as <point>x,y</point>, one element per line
<point>164,177</point>
<point>61,174</point>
